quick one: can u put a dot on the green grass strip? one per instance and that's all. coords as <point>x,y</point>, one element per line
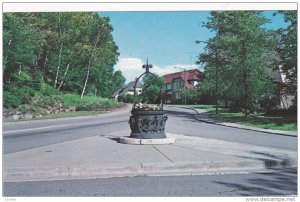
<point>276,122</point>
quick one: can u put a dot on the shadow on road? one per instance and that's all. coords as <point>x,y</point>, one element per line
<point>279,182</point>
<point>186,115</point>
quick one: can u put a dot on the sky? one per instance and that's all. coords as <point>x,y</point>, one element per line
<point>167,39</point>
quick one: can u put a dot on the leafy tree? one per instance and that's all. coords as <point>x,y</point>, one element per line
<point>151,89</point>
<point>236,67</point>
<point>190,95</point>
<point>118,81</point>
<point>288,52</point>
<point>72,52</point>
<point>20,46</point>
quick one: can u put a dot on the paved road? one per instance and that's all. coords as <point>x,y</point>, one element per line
<point>24,136</point>
<point>274,183</point>
<point>28,135</point>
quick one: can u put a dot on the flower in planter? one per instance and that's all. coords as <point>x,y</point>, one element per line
<point>147,106</point>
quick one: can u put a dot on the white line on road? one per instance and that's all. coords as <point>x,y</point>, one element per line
<point>30,129</point>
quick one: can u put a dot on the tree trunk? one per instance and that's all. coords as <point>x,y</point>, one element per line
<point>44,66</point>
<point>89,65</point>
<point>20,69</point>
<point>62,31</point>
<point>65,74</point>
<point>58,66</point>
<point>86,79</point>
<point>6,56</point>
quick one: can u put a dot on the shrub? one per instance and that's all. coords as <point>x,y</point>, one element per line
<point>44,101</point>
<point>107,103</point>
<point>130,98</point>
<point>25,93</point>
<point>70,99</point>
<point>85,107</point>
<point>25,108</point>
<point>48,90</point>
<point>10,100</point>
<point>126,98</point>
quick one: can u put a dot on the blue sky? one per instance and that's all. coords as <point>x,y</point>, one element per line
<point>166,38</point>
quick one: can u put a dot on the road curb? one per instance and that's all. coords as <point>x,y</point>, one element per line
<point>136,141</point>
<point>275,132</point>
<point>142,169</point>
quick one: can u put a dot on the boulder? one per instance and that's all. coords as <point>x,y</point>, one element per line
<point>15,117</point>
<point>67,110</point>
<point>28,116</point>
<point>5,113</point>
<point>12,112</point>
<point>72,108</point>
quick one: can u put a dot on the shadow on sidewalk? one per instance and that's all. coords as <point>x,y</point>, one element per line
<point>270,161</point>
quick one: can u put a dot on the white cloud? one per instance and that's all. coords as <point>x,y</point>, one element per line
<point>132,68</point>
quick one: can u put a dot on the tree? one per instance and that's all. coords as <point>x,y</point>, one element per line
<point>118,81</point>
<point>19,56</point>
<point>151,89</point>
<point>288,52</point>
<point>236,58</point>
<point>72,52</point>
<point>102,30</point>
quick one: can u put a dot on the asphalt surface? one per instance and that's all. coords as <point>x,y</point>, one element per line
<point>81,142</point>
<point>21,136</point>
<point>272,183</point>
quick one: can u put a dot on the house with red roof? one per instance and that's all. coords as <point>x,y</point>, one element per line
<point>175,82</point>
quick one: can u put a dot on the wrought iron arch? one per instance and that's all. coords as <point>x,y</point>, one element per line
<point>147,67</point>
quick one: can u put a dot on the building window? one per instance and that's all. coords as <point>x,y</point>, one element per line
<point>176,86</point>
<point>169,86</point>
<point>177,95</point>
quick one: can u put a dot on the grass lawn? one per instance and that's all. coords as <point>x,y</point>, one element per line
<point>69,114</point>
<point>276,122</point>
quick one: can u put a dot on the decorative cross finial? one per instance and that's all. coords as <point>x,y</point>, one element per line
<point>147,66</point>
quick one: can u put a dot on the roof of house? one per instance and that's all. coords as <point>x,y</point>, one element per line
<point>128,87</point>
<point>187,75</point>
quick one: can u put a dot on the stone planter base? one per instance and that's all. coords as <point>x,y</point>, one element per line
<point>129,140</point>
<point>147,124</point>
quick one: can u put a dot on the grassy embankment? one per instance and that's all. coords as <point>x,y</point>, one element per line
<point>87,106</point>
<point>68,114</point>
<point>276,122</point>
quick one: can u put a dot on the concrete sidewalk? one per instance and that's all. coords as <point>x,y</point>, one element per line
<point>101,156</point>
<point>202,115</point>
